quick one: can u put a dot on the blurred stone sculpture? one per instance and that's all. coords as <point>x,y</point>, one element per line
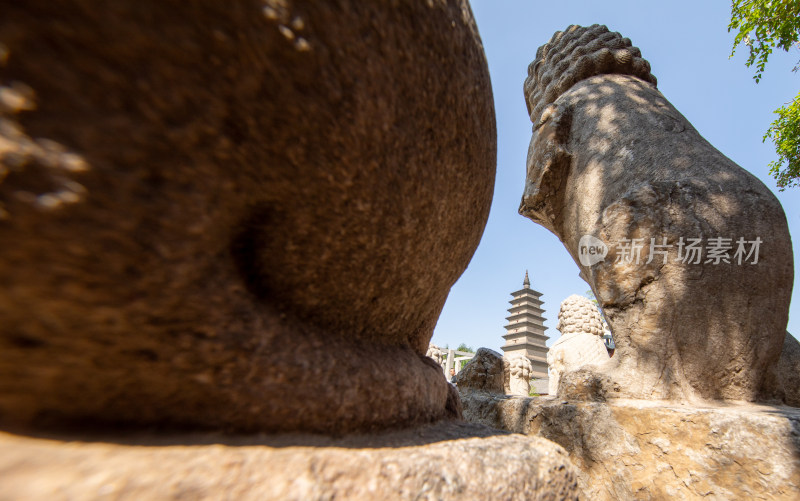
<point>688,254</point>
<point>236,216</point>
<point>518,375</point>
<point>581,341</point>
<point>437,355</point>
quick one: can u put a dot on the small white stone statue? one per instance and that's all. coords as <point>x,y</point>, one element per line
<point>517,370</point>
<point>581,341</point>
<point>437,354</point>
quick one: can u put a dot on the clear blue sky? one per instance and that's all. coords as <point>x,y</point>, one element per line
<point>687,44</point>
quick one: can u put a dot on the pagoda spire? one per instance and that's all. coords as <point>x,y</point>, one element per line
<point>527,282</point>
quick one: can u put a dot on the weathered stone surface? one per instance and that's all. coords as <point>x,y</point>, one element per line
<point>540,386</point>
<point>638,449</point>
<point>611,158</point>
<point>485,372</point>
<point>586,383</point>
<point>789,370</point>
<point>446,461</point>
<point>581,340</point>
<point>235,215</point>
<point>517,375</point>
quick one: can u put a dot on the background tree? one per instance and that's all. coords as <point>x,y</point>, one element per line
<point>464,347</point>
<point>764,25</point>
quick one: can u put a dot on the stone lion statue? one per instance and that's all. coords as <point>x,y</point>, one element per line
<point>436,353</point>
<point>581,341</point>
<point>517,369</point>
<point>628,185</point>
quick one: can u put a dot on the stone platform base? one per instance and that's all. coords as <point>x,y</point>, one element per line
<point>444,461</point>
<point>629,449</point>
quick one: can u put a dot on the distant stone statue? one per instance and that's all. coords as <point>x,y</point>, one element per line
<point>581,341</point>
<point>688,254</point>
<point>517,378</point>
<point>437,354</point>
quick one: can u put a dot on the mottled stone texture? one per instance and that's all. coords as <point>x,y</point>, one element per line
<point>447,461</point>
<point>789,370</point>
<point>581,340</point>
<point>484,372</point>
<point>637,449</point>
<point>244,215</point>
<point>610,157</point>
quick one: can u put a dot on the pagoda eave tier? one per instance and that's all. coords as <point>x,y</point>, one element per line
<point>526,347</point>
<point>527,305</point>
<point>521,329</point>
<point>511,335</point>
<point>526,297</point>
<point>526,301</point>
<point>520,316</point>
<point>526,323</point>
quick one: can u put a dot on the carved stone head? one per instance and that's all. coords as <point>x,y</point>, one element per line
<point>576,54</point>
<point>579,315</point>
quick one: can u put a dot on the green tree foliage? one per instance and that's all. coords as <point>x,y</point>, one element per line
<point>468,349</point>
<point>464,347</point>
<point>764,25</point>
<point>785,133</point>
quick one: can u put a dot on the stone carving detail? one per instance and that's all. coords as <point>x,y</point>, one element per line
<point>579,315</point>
<point>575,55</point>
<point>517,375</point>
<point>581,341</point>
<point>611,162</point>
<point>437,354</point>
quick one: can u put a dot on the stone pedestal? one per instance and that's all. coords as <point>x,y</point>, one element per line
<point>636,449</point>
<point>572,351</point>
